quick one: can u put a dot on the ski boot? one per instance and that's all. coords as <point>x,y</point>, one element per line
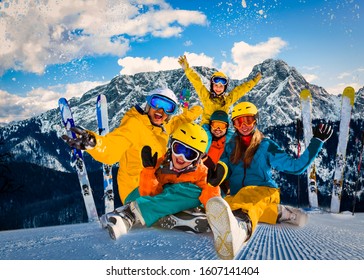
<point>192,220</point>
<point>291,215</point>
<point>122,219</point>
<point>229,234</point>
<point>244,222</point>
<point>104,219</point>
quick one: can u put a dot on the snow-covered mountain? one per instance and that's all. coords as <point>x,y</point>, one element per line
<point>37,140</point>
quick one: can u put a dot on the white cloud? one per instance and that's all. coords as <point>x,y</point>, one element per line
<point>350,78</point>
<point>35,34</point>
<point>310,77</point>
<point>344,75</point>
<point>246,56</point>
<point>37,101</point>
<point>199,60</point>
<point>339,88</point>
<point>336,83</point>
<point>132,65</point>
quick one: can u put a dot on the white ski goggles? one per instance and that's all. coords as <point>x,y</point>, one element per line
<point>179,149</point>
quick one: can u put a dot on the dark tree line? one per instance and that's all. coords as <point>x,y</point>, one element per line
<point>7,184</point>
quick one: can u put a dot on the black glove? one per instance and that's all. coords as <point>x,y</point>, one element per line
<point>147,158</point>
<point>207,161</point>
<point>323,132</point>
<point>83,141</point>
<point>216,176</point>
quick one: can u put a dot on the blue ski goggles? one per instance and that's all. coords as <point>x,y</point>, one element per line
<point>161,102</point>
<point>219,80</point>
<point>188,154</point>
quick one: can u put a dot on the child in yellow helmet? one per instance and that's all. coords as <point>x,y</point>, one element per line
<point>175,182</point>
<point>215,98</point>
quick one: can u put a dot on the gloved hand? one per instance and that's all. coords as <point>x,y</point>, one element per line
<point>182,60</point>
<point>217,176</point>
<point>147,158</point>
<point>257,77</point>
<point>323,132</point>
<point>84,140</point>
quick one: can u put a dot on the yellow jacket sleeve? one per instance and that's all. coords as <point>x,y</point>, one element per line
<point>110,148</point>
<point>202,92</point>
<point>240,90</point>
<point>188,115</point>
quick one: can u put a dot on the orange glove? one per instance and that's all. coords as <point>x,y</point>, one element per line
<point>148,183</point>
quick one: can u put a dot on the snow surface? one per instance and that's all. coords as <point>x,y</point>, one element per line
<point>326,237</point>
<point>85,251</point>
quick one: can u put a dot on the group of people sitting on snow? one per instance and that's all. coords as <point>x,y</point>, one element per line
<point>213,176</point>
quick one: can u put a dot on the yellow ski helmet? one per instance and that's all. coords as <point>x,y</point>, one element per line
<point>218,77</point>
<point>219,74</point>
<point>192,135</point>
<point>244,109</point>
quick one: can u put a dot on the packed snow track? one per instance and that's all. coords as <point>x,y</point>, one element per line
<point>325,237</point>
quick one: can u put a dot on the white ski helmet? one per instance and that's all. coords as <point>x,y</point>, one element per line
<point>165,92</point>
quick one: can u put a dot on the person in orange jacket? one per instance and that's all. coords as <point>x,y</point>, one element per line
<point>173,183</point>
<point>195,220</point>
<point>219,124</point>
<point>219,129</point>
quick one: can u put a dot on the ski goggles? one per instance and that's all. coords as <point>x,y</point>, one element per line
<point>218,125</point>
<point>161,102</point>
<point>219,80</point>
<point>180,149</point>
<point>240,121</point>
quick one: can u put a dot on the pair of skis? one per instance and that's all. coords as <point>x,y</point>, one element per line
<point>346,108</point>
<point>77,159</point>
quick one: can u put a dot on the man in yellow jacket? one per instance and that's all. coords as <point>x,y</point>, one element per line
<point>139,127</point>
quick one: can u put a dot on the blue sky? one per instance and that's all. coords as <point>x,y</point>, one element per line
<point>50,49</point>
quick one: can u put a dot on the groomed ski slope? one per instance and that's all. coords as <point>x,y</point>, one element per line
<point>326,237</point>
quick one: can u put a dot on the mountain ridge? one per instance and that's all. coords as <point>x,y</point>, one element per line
<point>276,96</point>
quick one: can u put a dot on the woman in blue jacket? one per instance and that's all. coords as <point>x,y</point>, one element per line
<point>254,195</point>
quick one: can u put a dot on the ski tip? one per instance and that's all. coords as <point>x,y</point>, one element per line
<point>350,93</point>
<point>101,96</point>
<point>62,100</point>
<point>305,94</point>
